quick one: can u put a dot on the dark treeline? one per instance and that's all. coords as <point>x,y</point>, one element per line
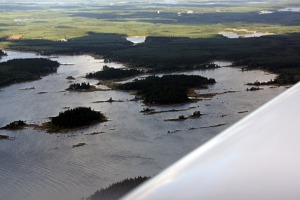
<point>19,70</point>
<point>118,190</point>
<point>284,78</point>
<point>15,125</point>
<point>269,52</point>
<point>80,86</point>
<point>277,53</point>
<point>208,66</point>
<point>77,117</point>
<point>109,73</point>
<point>169,89</point>
<point>94,43</point>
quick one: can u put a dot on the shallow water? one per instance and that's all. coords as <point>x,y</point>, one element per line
<point>38,165</point>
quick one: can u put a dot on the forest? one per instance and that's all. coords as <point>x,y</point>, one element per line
<point>109,73</point>
<point>117,190</point>
<point>277,53</point>
<point>79,86</point>
<point>77,117</point>
<point>20,70</point>
<point>168,89</point>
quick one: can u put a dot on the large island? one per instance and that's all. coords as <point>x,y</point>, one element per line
<point>168,89</point>
<point>20,70</point>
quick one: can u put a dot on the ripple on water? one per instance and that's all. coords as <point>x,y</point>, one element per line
<point>43,166</point>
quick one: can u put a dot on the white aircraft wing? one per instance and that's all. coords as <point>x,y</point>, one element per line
<point>258,158</point>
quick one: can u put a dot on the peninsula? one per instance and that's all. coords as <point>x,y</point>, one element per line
<point>21,70</point>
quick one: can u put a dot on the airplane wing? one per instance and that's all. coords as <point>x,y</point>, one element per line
<point>256,158</point>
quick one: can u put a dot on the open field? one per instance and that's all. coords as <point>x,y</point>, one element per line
<point>56,22</point>
<point>179,36</point>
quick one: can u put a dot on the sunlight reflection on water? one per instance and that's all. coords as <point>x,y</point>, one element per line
<point>38,165</point>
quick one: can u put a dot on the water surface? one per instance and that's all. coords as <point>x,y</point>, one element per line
<point>233,35</point>
<point>38,165</point>
<point>136,39</point>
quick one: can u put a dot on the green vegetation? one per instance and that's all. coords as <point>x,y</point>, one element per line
<point>79,86</point>
<point>169,89</point>
<point>77,117</point>
<point>180,37</point>
<point>277,53</point>
<point>20,70</point>
<point>118,190</point>
<point>56,22</point>
<point>110,73</point>
<point>16,125</point>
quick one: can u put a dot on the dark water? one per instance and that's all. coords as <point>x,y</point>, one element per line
<point>38,165</point>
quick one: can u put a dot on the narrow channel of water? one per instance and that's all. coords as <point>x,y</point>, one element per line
<point>38,165</point>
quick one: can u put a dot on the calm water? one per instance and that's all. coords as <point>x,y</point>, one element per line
<point>136,39</point>
<point>233,35</point>
<point>38,165</point>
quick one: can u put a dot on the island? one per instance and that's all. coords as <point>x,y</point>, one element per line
<point>195,115</point>
<point>168,89</point>
<point>21,70</point>
<point>110,73</point>
<point>16,125</point>
<point>70,78</point>
<point>73,119</point>
<point>253,89</point>
<point>81,87</point>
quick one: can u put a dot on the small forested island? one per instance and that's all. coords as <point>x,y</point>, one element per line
<point>168,89</point>
<point>2,53</point>
<point>81,87</point>
<point>110,73</point>
<point>74,118</point>
<point>118,190</point>
<point>16,125</point>
<point>70,78</point>
<point>29,69</point>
